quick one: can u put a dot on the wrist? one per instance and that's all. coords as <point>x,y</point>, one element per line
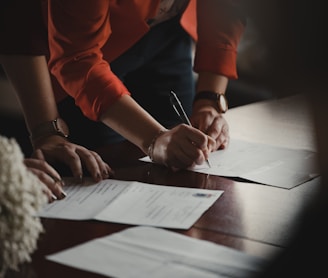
<point>150,150</point>
<point>217,100</point>
<point>56,127</point>
<point>49,140</point>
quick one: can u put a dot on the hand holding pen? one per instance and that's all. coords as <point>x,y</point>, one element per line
<point>176,104</point>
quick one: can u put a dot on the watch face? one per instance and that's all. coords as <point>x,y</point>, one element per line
<point>223,103</point>
<point>219,99</point>
<point>61,127</point>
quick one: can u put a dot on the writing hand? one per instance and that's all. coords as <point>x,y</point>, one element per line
<point>181,147</point>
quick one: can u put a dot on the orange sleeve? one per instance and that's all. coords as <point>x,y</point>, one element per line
<point>77,31</point>
<point>220,25</point>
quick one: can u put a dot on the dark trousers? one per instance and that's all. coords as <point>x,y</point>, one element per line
<point>160,62</point>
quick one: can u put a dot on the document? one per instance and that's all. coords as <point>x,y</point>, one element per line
<point>158,253</point>
<point>132,202</point>
<point>261,163</point>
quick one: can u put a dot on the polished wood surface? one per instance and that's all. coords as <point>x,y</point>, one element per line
<point>253,218</point>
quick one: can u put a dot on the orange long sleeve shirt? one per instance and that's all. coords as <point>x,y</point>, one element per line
<point>85,36</point>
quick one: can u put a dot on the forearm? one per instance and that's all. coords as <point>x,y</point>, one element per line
<point>131,121</point>
<point>208,81</point>
<point>30,78</point>
<point>210,93</point>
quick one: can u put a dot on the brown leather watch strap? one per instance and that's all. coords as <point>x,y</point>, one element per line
<point>219,99</point>
<point>54,127</point>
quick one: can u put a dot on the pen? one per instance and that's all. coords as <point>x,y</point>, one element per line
<point>176,104</point>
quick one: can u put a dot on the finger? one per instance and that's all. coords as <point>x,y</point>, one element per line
<point>218,126</point>
<point>38,154</point>
<point>186,156</point>
<point>51,197</point>
<point>219,130</point>
<point>43,166</point>
<point>195,146</point>
<point>90,162</point>
<point>198,139</point>
<point>198,155</point>
<point>223,141</point>
<point>45,190</point>
<point>204,125</point>
<point>105,170</point>
<point>73,161</point>
<point>214,130</point>
<point>54,186</point>
<point>211,146</point>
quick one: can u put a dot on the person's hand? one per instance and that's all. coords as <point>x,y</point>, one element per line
<point>56,149</point>
<point>212,123</point>
<point>48,176</point>
<point>181,147</point>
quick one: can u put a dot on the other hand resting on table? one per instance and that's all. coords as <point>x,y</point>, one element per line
<point>56,149</point>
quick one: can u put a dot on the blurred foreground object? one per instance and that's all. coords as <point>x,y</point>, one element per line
<point>21,197</point>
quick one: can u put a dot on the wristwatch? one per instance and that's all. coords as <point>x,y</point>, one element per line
<point>219,98</point>
<point>55,127</point>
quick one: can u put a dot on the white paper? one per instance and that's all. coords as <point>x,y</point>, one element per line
<point>158,253</point>
<point>131,202</point>
<point>262,163</point>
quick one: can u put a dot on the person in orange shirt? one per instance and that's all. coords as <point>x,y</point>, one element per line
<point>117,61</point>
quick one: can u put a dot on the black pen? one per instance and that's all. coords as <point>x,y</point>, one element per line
<point>176,104</point>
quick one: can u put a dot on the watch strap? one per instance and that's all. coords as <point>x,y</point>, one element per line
<point>219,98</point>
<point>54,127</point>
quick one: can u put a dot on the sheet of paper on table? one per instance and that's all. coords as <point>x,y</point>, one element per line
<point>261,163</point>
<point>131,202</point>
<point>158,253</point>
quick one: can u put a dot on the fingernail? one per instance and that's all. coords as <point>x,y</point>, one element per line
<point>98,177</point>
<point>105,174</point>
<point>60,181</point>
<point>110,173</point>
<point>53,197</point>
<point>56,179</point>
<point>63,194</point>
<point>80,178</point>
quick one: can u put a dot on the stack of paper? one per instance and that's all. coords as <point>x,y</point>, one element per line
<point>158,253</point>
<point>131,202</point>
<point>261,163</point>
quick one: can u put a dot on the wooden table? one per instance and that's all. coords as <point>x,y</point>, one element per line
<point>254,218</point>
